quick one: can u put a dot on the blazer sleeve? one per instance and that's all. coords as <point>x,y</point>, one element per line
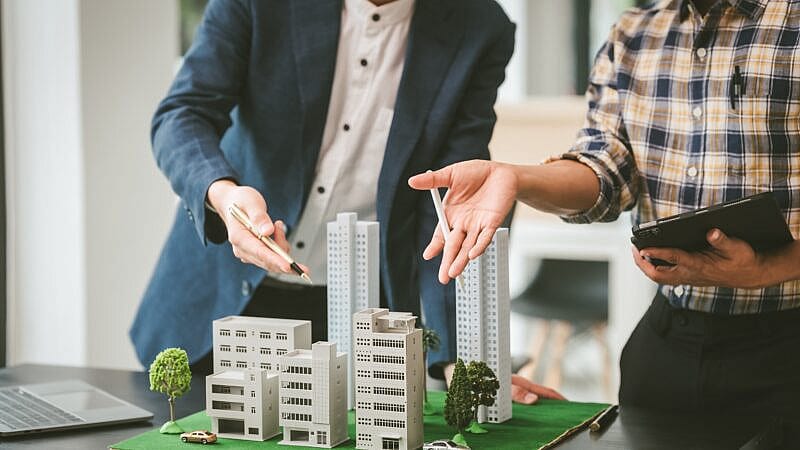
<point>468,139</point>
<point>189,123</point>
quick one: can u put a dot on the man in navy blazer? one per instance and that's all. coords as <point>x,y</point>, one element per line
<point>245,120</point>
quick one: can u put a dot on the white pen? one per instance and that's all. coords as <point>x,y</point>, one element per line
<point>443,225</point>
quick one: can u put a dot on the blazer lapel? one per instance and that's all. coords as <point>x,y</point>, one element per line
<point>433,39</point>
<point>315,39</point>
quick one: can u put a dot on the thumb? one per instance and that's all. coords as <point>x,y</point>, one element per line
<point>261,221</point>
<point>718,239</point>
<point>431,179</point>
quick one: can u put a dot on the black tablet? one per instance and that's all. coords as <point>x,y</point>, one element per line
<point>756,220</point>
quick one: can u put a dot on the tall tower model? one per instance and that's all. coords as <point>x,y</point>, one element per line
<point>313,393</point>
<point>242,394</point>
<point>482,318</point>
<point>389,380</point>
<point>353,279</point>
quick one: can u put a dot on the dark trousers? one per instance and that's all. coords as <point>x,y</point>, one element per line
<point>680,360</point>
<point>283,301</point>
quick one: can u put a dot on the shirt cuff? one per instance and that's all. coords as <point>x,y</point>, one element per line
<point>602,206</point>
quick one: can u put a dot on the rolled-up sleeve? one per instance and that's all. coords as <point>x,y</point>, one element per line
<point>602,144</point>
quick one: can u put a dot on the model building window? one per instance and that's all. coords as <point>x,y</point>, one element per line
<point>264,335</point>
<point>253,409</point>
<point>241,364</point>
<point>382,375</point>
<point>224,363</point>
<point>223,332</point>
<point>390,391</point>
<point>241,333</point>
<point>224,348</point>
<point>389,423</point>
<point>280,351</point>
<point>265,351</point>
<point>322,437</point>
<point>390,444</point>
<point>241,349</point>
<point>390,407</point>
<point>281,336</point>
<point>252,430</point>
<point>388,359</point>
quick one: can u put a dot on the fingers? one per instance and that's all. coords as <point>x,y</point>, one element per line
<point>482,243</point>
<point>541,391</point>
<point>280,236</point>
<point>435,246</point>
<point>261,220</point>
<point>523,396</point>
<point>430,180</point>
<point>451,249</point>
<point>462,258</point>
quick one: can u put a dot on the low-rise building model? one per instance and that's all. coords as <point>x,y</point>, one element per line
<point>313,396</point>
<point>353,279</point>
<point>483,321</point>
<point>389,371</point>
<point>241,342</point>
<point>243,404</point>
<point>242,394</point>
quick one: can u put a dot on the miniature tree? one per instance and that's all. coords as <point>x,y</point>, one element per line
<point>430,341</point>
<point>483,387</point>
<point>170,375</point>
<point>458,403</point>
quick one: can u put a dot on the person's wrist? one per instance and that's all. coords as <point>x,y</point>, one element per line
<point>218,191</point>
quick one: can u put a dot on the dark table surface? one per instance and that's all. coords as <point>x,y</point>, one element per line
<point>631,430</point>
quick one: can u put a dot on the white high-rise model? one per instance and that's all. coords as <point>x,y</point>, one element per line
<point>313,391</point>
<point>390,375</point>
<point>483,320</point>
<point>242,394</point>
<point>353,279</point>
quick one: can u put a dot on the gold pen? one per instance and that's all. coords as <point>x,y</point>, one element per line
<point>240,216</point>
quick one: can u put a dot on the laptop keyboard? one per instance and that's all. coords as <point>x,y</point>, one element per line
<point>20,410</point>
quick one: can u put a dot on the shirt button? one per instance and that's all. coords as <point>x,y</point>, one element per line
<point>678,291</point>
<point>364,62</point>
<point>246,288</point>
<point>346,127</point>
<point>697,112</point>
<point>701,53</point>
<point>376,17</point>
<point>321,190</point>
<point>300,244</point>
<point>692,172</point>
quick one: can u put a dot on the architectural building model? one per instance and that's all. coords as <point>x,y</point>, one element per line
<point>483,321</point>
<point>353,279</point>
<point>313,396</point>
<point>256,342</point>
<point>389,380</point>
<point>243,404</point>
<point>242,394</point>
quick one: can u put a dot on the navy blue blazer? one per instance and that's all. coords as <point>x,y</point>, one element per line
<point>249,103</point>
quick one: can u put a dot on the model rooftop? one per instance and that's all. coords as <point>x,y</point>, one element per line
<point>262,321</point>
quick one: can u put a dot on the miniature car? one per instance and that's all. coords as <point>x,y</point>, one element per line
<point>443,445</point>
<point>203,437</point>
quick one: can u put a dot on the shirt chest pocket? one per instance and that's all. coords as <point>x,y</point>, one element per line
<point>767,93</point>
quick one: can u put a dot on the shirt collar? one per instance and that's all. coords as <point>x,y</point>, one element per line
<point>750,8</point>
<point>390,13</point>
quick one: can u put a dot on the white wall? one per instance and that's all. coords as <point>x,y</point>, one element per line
<point>88,209</point>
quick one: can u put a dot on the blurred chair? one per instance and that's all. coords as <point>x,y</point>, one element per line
<point>566,298</point>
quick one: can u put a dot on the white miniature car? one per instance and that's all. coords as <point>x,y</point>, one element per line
<point>443,445</point>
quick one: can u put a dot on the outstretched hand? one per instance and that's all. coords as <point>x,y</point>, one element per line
<point>479,196</point>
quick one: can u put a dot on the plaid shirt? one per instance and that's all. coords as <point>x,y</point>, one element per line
<point>663,134</point>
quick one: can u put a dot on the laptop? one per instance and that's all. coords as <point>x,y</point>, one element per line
<point>62,405</point>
